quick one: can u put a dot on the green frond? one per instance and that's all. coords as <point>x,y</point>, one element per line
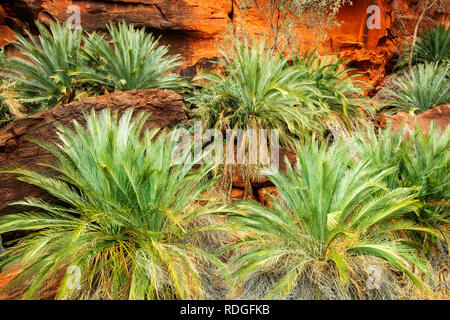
<point>433,46</point>
<point>131,60</point>
<point>331,208</point>
<point>425,86</point>
<point>125,219</point>
<point>421,161</point>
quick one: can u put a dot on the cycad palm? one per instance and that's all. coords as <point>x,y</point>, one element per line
<point>124,218</point>
<point>331,210</point>
<point>432,47</point>
<point>382,150</point>
<point>424,87</point>
<point>340,89</point>
<point>44,80</point>
<point>258,90</point>
<point>132,60</point>
<point>426,164</point>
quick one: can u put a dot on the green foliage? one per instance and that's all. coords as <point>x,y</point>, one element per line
<point>9,106</point>
<point>2,57</point>
<point>339,86</point>
<point>131,60</point>
<point>123,222</point>
<point>260,90</point>
<point>43,80</point>
<point>331,210</point>
<point>422,161</point>
<point>257,91</point>
<point>382,150</point>
<point>432,47</point>
<point>424,87</point>
<point>426,164</point>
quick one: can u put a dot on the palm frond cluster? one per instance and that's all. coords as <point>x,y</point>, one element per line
<point>427,84</point>
<point>340,87</point>
<point>424,87</point>
<point>133,218</point>
<point>421,161</point>
<point>43,78</point>
<point>260,90</point>
<point>433,46</point>
<point>63,65</point>
<point>126,215</point>
<point>131,60</point>
<point>335,206</point>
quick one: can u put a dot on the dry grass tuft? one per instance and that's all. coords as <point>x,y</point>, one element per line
<point>320,281</point>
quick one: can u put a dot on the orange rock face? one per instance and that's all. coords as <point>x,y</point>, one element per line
<point>6,35</point>
<point>237,193</point>
<point>369,50</point>
<point>192,27</point>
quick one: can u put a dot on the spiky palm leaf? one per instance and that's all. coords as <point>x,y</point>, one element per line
<point>426,164</point>
<point>432,47</point>
<point>44,80</point>
<point>382,150</point>
<point>131,60</point>
<point>424,87</point>
<point>422,161</point>
<point>340,87</point>
<point>331,210</point>
<point>257,90</point>
<point>123,222</point>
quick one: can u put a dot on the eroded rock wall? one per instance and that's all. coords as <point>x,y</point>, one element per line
<point>192,27</point>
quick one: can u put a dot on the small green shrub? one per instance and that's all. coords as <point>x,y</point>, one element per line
<point>426,165</point>
<point>131,60</point>
<point>424,87</point>
<point>432,47</point>
<point>339,87</point>
<point>59,70</point>
<point>331,210</point>
<point>257,90</point>
<point>422,161</point>
<point>9,106</point>
<point>122,220</point>
<point>260,90</point>
<point>44,80</point>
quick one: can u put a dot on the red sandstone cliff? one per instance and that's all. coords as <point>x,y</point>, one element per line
<point>191,26</point>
